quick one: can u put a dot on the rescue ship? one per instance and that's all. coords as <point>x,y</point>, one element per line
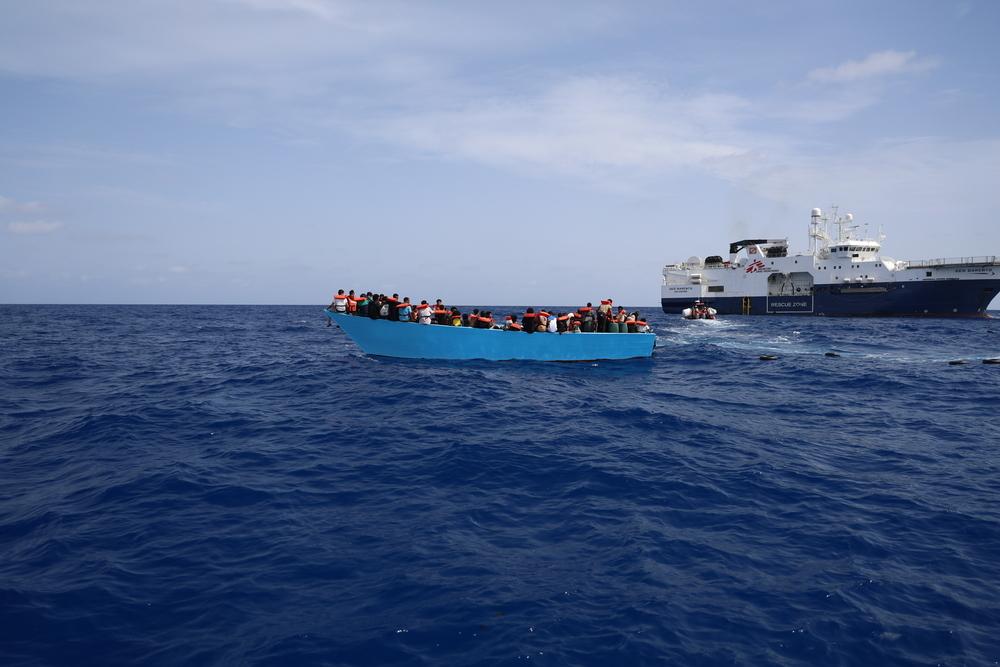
<point>432,341</point>
<point>840,275</point>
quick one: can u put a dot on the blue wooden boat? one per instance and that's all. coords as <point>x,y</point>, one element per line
<point>433,341</point>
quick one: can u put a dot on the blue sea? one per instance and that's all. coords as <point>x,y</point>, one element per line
<point>221,485</point>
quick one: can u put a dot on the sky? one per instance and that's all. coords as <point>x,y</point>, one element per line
<point>273,151</point>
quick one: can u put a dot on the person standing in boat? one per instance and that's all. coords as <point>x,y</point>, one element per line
<point>584,315</point>
<point>424,313</point>
<point>404,310</point>
<point>442,317</point>
<point>441,313</point>
<point>603,313</point>
<point>393,303</point>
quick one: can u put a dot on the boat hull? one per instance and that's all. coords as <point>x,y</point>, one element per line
<point>417,341</point>
<point>943,298</point>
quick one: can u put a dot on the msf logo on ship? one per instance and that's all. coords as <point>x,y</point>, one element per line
<point>757,265</point>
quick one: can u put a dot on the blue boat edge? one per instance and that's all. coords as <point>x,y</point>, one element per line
<point>409,340</point>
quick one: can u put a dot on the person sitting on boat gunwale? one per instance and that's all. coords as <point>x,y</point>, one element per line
<point>339,303</point>
<point>456,317</point>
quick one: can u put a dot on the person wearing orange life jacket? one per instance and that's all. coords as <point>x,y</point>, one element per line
<point>529,320</point>
<point>486,320</point>
<point>512,324</point>
<point>456,317</point>
<point>339,303</point>
<point>542,321</point>
<point>404,310</point>
<point>352,303</point>
<point>441,313</point>
<point>362,304</point>
<point>424,312</point>
<point>393,311</point>
<point>562,322</point>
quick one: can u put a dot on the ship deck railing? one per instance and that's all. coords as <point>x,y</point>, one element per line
<point>982,260</point>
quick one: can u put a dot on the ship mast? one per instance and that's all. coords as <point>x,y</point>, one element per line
<point>818,236</point>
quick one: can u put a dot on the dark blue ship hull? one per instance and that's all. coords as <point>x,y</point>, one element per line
<point>931,298</point>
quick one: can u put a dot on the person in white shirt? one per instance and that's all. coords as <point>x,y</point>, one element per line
<point>424,313</point>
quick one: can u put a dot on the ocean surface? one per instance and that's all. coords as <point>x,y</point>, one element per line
<point>188,485</point>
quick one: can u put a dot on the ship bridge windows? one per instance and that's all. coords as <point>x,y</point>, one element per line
<point>716,288</point>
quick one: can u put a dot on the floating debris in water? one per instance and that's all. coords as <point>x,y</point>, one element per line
<point>768,357</point>
<point>831,354</point>
<point>958,362</point>
<point>993,360</point>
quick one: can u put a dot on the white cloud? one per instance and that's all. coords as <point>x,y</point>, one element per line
<point>33,227</point>
<point>881,63</point>
<point>579,126</point>
<point>321,9</point>
<point>8,204</point>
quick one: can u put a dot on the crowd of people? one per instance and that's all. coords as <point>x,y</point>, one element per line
<point>587,319</point>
